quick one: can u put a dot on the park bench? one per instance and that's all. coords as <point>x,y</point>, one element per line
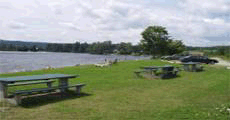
<point>36,79</point>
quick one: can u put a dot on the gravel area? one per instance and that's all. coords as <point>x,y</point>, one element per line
<point>222,62</point>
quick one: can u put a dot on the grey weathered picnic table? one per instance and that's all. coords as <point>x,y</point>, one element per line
<point>155,67</point>
<point>195,66</point>
<point>26,80</point>
<point>167,70</point>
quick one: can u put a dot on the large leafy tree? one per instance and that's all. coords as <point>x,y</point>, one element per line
<point>156,41</point>
<point>175,46</point>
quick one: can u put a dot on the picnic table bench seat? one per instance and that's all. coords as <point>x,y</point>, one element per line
<point>19,93</point>
<point>31,83</point>
<point>45,90</point>
<point>32,91</point>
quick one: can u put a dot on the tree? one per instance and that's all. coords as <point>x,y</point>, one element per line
<point>76,47</point>
<point>3,47</point>
<point>107,47</point>
<point>41,49</point>
<point>67,47</point>
<point>155,40</point>
<point>83,47</point>
<point>12,47</point>
<point>175,46</point>
<point>137,49</point>
<point>221,51</point>
<point>125,48</point>
<point>34,48</point>
<point>23,48</point>
<point>50,47</point>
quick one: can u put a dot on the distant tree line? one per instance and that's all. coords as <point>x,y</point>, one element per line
<point>12,47</point>
<point>105,47</point>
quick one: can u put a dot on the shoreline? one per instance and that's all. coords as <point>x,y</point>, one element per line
<point>47,68</point>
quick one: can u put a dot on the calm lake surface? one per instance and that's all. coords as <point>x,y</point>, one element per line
<point>27,61</point>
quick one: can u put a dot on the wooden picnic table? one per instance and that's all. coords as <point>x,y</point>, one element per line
<point>63,81</point>
<point>151,67</point>
<point>167,70</point>
<point>195,66</point>
<point>154,68</point>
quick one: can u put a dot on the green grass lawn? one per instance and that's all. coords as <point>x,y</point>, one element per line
<point>114,93</point>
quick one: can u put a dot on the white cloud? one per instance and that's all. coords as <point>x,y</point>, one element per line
<point>206,5</point>
<point>64,32</point>
<point>16,25</point>
<point>216,21</point>
<point>193,21</point>
<point>56,7</point>
<point>69,25</point>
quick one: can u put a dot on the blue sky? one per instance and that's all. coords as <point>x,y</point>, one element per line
<point>195,22</point>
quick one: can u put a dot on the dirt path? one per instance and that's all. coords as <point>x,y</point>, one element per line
<point>222,62</point>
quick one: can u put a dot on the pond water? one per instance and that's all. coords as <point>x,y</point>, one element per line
<point>27,61</point>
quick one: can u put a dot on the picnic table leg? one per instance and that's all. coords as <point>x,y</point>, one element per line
<point>78,90</point>
<point>186,67</point>
<point>193,67</point>
<point>3,90</point>
<point>49,84</point>
<point>63,82</point>
<point>18,100</point>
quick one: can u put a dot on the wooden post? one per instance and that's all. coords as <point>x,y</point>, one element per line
<point>63,82</point>
<point>3,90</point>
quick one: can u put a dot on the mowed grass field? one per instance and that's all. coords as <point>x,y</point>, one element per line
<point>114,93</point>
